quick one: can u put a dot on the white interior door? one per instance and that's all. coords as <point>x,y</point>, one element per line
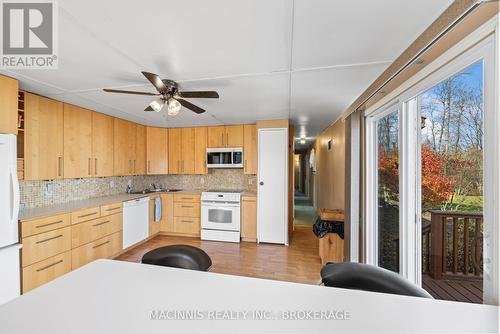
<point>272,190</point>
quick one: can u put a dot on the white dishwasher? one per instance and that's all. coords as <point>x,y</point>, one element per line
<point>135,221</point>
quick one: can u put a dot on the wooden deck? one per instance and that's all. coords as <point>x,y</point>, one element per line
<point>469,291</point>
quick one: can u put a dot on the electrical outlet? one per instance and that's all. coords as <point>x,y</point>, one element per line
<point>111,184</point>
<point>250,181</point>
<point>202,180</point>
<point>49,188</point>
<point>129,182</point>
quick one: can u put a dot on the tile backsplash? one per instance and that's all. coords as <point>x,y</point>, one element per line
<point>42,193</point>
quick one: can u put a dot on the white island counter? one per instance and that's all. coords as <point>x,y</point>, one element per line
<point>120,297</point>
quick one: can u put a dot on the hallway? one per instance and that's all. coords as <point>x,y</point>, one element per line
<point>304,211</point>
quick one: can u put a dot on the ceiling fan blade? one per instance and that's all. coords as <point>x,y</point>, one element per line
<point>156,81</point>
<point>149,109</point>
<point>191,106</point>
<point>128,92</point>
<point>200,94</point>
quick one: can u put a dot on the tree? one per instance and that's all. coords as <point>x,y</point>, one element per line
<point>436,186</point>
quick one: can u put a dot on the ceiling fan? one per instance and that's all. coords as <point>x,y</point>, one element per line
<point>169,93</point>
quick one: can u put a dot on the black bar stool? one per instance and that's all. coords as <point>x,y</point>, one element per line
<point>179,256</point>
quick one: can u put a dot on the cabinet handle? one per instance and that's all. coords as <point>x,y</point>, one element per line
<point>227,139</point>
<point>87,215</point>
<point>48,239</point>
<point>101,244</point>
<point>149,166</point>
<point>186,206</point>
<point>183,166</point>
<point>111,209</point>
<point>222,139</point>
<point>90,162</point>
<point>186,221</point>
<point>135,170</point>
<point>245,165</point>
<point>48,224</point>
<point>178,165</point>
<point>102,223</point>
<point>59,166</point>
<point>95,167</point>
<point>48,266</point>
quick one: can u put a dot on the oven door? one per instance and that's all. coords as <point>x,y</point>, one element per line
<point>223,216</point>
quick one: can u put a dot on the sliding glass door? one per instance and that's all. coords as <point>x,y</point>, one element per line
<point>432,172</point>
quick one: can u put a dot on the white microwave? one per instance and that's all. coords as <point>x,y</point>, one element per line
<point>225,157</point>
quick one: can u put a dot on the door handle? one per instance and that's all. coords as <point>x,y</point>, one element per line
<point>261,183</point>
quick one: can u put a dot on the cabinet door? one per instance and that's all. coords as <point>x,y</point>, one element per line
<point>234,136</point>
<point>200,150</point>
<point>43,151</point>
<point>8,105</point>
<point>249,220</point>
<point>250,149</point>
<point>102,144</point>
<point>188,149</point>
<point>77,142</point>
<point>157,151</point>
<point>216,136</point>
<point>167,219</point>
<point>140,150</point>
<point>174,151</point>
<point>123,134</point>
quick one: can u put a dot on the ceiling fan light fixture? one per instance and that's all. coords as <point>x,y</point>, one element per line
<point>157,105</point>
<point>173,107</point>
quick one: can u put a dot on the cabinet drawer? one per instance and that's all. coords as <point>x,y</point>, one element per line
<point>46,224</point>
<point>99,249</point>
<point>192,198</point>
<point>187,225</point>
<point>42,246</point>
<point>46,270</point>
<point>111,209</point>
<point>95,229</point>
<point>187,210</point>
<point>84,215</point>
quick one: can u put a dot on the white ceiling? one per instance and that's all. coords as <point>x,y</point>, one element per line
<point>306,60</point>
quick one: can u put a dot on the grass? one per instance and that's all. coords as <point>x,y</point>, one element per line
<point>467,203</point>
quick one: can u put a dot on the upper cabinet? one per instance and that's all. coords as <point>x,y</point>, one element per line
<point>140,150</point>
<point>188,150</point>
<point>157,151</point>
<point>200,150</point>
<point>234,136</point>
<point>8,105</point>
<point>250,149</point>
<point>124,147</point>
<point>225,136</point>
<point>102,144</point>
<point>43,152</point>
<point>174,151</point>
<point>78,160</point>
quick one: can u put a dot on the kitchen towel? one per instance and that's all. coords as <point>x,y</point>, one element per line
<point>157,209</point>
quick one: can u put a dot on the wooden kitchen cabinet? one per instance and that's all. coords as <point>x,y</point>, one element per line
<point>8,105</point>
<point>200,150</point>
<point>186,214</point>
<point>167,219</point>
<point>78,160</point>
<point>102,144</point>
<point>249,218</point>
<point>250,149</point>
<point>140,150</point>
<point>43,139</point>
<point>187,150</point>
<point>234,135</point>
<point>174,151</point>
<point>46,271</point>
<point>216,136</point>
<point>124,147</point>
<point>157,151</point>
<point>99,249</point>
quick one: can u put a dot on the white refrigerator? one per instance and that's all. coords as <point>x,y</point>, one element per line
<point>10,280</point>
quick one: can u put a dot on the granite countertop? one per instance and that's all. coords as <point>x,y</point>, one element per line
<point>56,209</point>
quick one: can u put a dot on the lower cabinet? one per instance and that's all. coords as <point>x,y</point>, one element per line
<point>46,270</point>
<point>249,218</point>
<point>181,214</point>
<point>53,246</point>
<point>154,227</point>
<point>99,249</point>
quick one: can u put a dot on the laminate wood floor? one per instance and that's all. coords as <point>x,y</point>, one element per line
<point>299,262</point>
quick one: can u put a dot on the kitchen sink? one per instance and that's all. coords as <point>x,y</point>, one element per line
<point>149,191</point>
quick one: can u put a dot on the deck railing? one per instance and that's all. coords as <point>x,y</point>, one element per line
<point>451,245</point>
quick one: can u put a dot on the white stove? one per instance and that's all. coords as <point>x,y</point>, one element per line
<point>220,215</point>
